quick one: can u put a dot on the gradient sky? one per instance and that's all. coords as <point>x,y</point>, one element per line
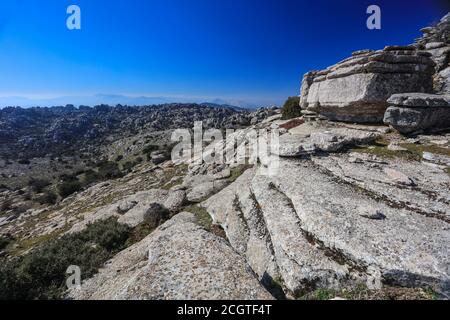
<point>256,51</point>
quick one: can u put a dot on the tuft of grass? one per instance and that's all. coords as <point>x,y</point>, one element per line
<point>362,292</point>
<point>205,220</point>
<point>238,171</point>
<point>203,217</point>
<point>413,152</point>
<point>419,149</point>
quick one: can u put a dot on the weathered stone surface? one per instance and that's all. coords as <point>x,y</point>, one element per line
<point>202,191</point>
<point>236,210</point>
<point>413,112</point>
<point>324,140</point>
<point>333,222</point>
<point>428,196</point>
<point>179,260</point>
<point>362,97</point>
<point>308,79</point>
<point>407,247</point>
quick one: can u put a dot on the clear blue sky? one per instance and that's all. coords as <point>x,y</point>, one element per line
<point>256,51</point>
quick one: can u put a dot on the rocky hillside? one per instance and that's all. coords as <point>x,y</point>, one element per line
<point>357,207</point>
<point>37,132</point>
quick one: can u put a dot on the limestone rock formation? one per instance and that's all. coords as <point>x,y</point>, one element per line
<point>180,260</point>
<point>414,112</point>
<point>356,89</point>
<point>336,220</point>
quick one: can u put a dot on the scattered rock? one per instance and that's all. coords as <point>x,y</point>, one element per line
<point>395,147</point>
<point>378,215</point>
<point>436,158</point>
<point>126,206</point>
<point>399,177</point>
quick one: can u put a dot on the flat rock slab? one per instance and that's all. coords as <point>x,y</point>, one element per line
<point>322,140</point>
<point>419,100</point>
<point>178,261</point>
<point>356,89</point>
<point>414,112</point>
<point>137,204</point>
<point>406,248</point>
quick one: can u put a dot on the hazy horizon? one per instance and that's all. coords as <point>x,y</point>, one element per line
<point>246,54</point>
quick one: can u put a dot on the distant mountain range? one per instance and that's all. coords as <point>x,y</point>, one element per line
<point>114,99</point>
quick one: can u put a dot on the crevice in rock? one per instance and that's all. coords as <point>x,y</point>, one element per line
<point>334,254</point>
<point>238,207</point>
<point>381,197</point>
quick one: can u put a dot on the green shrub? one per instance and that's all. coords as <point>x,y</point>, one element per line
<point>6,205</point>
<point>24,161</point>
<point>41,274</point>
<point>4,242</point>
<point>150,148</point>
<point>67,188</point>
<point>109,170</point>
<point>291,108</point>
<point>155,215</point>
<point>38,185</point>
<point>128,166</point>
<point>91,176</point>
<point>49,197</point>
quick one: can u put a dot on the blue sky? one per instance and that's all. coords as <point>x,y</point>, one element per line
<point>251,51</point>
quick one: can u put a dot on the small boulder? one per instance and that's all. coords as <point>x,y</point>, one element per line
<point>126,206</point>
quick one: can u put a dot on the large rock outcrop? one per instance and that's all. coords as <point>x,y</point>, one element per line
<point>180,260</point>
<point>415,112</point>
<point>356,89</point>
<point>436,41</point>
<point>336,220</point>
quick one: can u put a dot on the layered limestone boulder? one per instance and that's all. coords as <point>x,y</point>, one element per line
<point>178,261</point>
<point>436,41</point>
<point>356,89</point>
<point>416,112</point>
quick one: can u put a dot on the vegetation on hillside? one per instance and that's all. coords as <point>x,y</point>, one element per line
<point>41,274</point>
<point>291,108</point>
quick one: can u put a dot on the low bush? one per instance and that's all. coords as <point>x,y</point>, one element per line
<point>23,161</point>
<point>109,170</point>
<point>49,197</point>
<point>6,205</point>
<point>67,188</point>
<point>38,185</point>
<point>41,274</point>
<point>291,108</point>
<point>150,148</point>
<point>4,242</point>
<point>91,176</point>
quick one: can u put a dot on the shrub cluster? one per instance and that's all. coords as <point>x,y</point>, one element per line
<point>291,108</point>
<point>41,274</point>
